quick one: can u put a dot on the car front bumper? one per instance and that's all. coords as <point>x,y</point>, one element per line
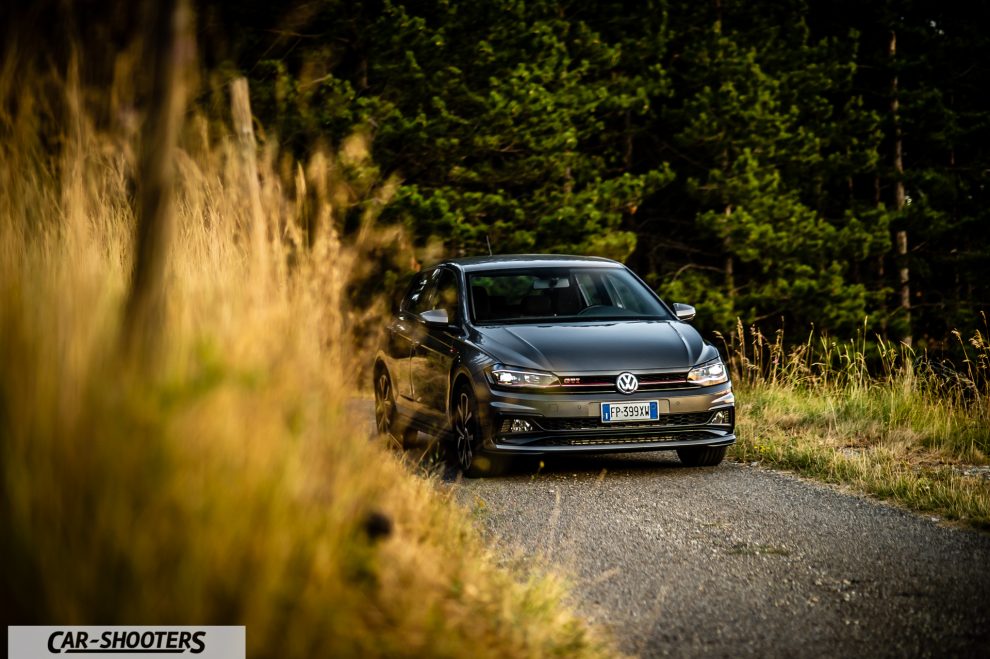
<point>571,423</point>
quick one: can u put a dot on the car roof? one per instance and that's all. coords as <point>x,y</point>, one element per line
<point>517,261</point>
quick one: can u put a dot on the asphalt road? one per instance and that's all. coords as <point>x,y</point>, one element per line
<point>737,560</point>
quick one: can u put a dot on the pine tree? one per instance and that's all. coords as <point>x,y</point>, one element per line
<point>759,128</point>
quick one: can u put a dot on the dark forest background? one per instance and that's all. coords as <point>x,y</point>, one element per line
<point>789,163</point>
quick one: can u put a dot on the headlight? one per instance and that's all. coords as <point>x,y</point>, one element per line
<point>708,374</point>
<point>505,376</point>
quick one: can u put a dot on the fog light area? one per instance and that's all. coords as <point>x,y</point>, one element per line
<point>516,425</point>
<point>720,418</point>
<point>520,425</point>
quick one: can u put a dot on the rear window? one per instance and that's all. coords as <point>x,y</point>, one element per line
<point>562,294</point>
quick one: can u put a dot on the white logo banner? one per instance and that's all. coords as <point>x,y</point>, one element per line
<point>119,642</point>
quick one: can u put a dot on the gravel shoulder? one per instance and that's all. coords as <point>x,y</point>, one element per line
<point>737,560</point>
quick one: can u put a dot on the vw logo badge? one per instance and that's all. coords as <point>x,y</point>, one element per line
<point>626,383</point>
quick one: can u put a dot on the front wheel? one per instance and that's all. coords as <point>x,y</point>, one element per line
<point>703,456</point>
<point>467,439</point>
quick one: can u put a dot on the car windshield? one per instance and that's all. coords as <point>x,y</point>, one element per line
<point>570,294</point>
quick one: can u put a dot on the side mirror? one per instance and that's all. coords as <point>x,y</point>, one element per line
<point>435,318</point>
<point>683,312</point>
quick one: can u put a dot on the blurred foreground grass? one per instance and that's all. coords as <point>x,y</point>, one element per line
<point>910,430</point>
<point>226,482</point>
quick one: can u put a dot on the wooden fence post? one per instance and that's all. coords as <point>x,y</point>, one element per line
<point>240,109</point>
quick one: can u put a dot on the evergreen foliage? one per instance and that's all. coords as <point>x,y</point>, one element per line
<point>738,154</point>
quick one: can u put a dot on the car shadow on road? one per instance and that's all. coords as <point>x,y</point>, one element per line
<point>431,455</point>
<point>592,465</point>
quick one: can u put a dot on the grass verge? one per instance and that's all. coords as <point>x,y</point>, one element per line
<point>911,433</point>
<point>222,482</point>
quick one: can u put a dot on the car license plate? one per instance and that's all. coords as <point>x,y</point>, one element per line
<point>640,410</point>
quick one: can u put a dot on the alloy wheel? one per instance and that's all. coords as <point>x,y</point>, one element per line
<point>384,404</point>
<point>465,430</point>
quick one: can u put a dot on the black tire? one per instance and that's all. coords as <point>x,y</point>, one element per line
<point>467,438</point>
<point>704,456</point>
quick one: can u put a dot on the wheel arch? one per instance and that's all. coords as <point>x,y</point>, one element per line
<point>459,377</point>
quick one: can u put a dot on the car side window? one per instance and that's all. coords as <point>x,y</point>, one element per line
<point>416,293</point>
<point>446,294</point>
<point>424,299</point>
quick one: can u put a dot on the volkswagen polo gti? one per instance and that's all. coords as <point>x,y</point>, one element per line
<point>510,355</point>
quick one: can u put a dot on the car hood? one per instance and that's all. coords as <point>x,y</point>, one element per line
<point>597,346</point>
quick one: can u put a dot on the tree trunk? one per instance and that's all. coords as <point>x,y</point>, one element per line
<point>730,266</point>
<point>901,237</point>
<point>881,270</point>
<point>627,155</point>
<point>169,48</point>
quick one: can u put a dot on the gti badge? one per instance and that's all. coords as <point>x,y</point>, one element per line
<point>626,383</point>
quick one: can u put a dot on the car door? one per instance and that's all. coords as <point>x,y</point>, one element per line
<point>404,332</point>
<point>434,355</point>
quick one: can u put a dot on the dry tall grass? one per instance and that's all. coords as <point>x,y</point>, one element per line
<point>227,483</point>
<point>910,428</point>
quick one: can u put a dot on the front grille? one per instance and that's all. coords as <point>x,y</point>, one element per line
<point>606,383</point>
<point>660,381</point>
<point>606,441</point>
<point>593,423</point>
